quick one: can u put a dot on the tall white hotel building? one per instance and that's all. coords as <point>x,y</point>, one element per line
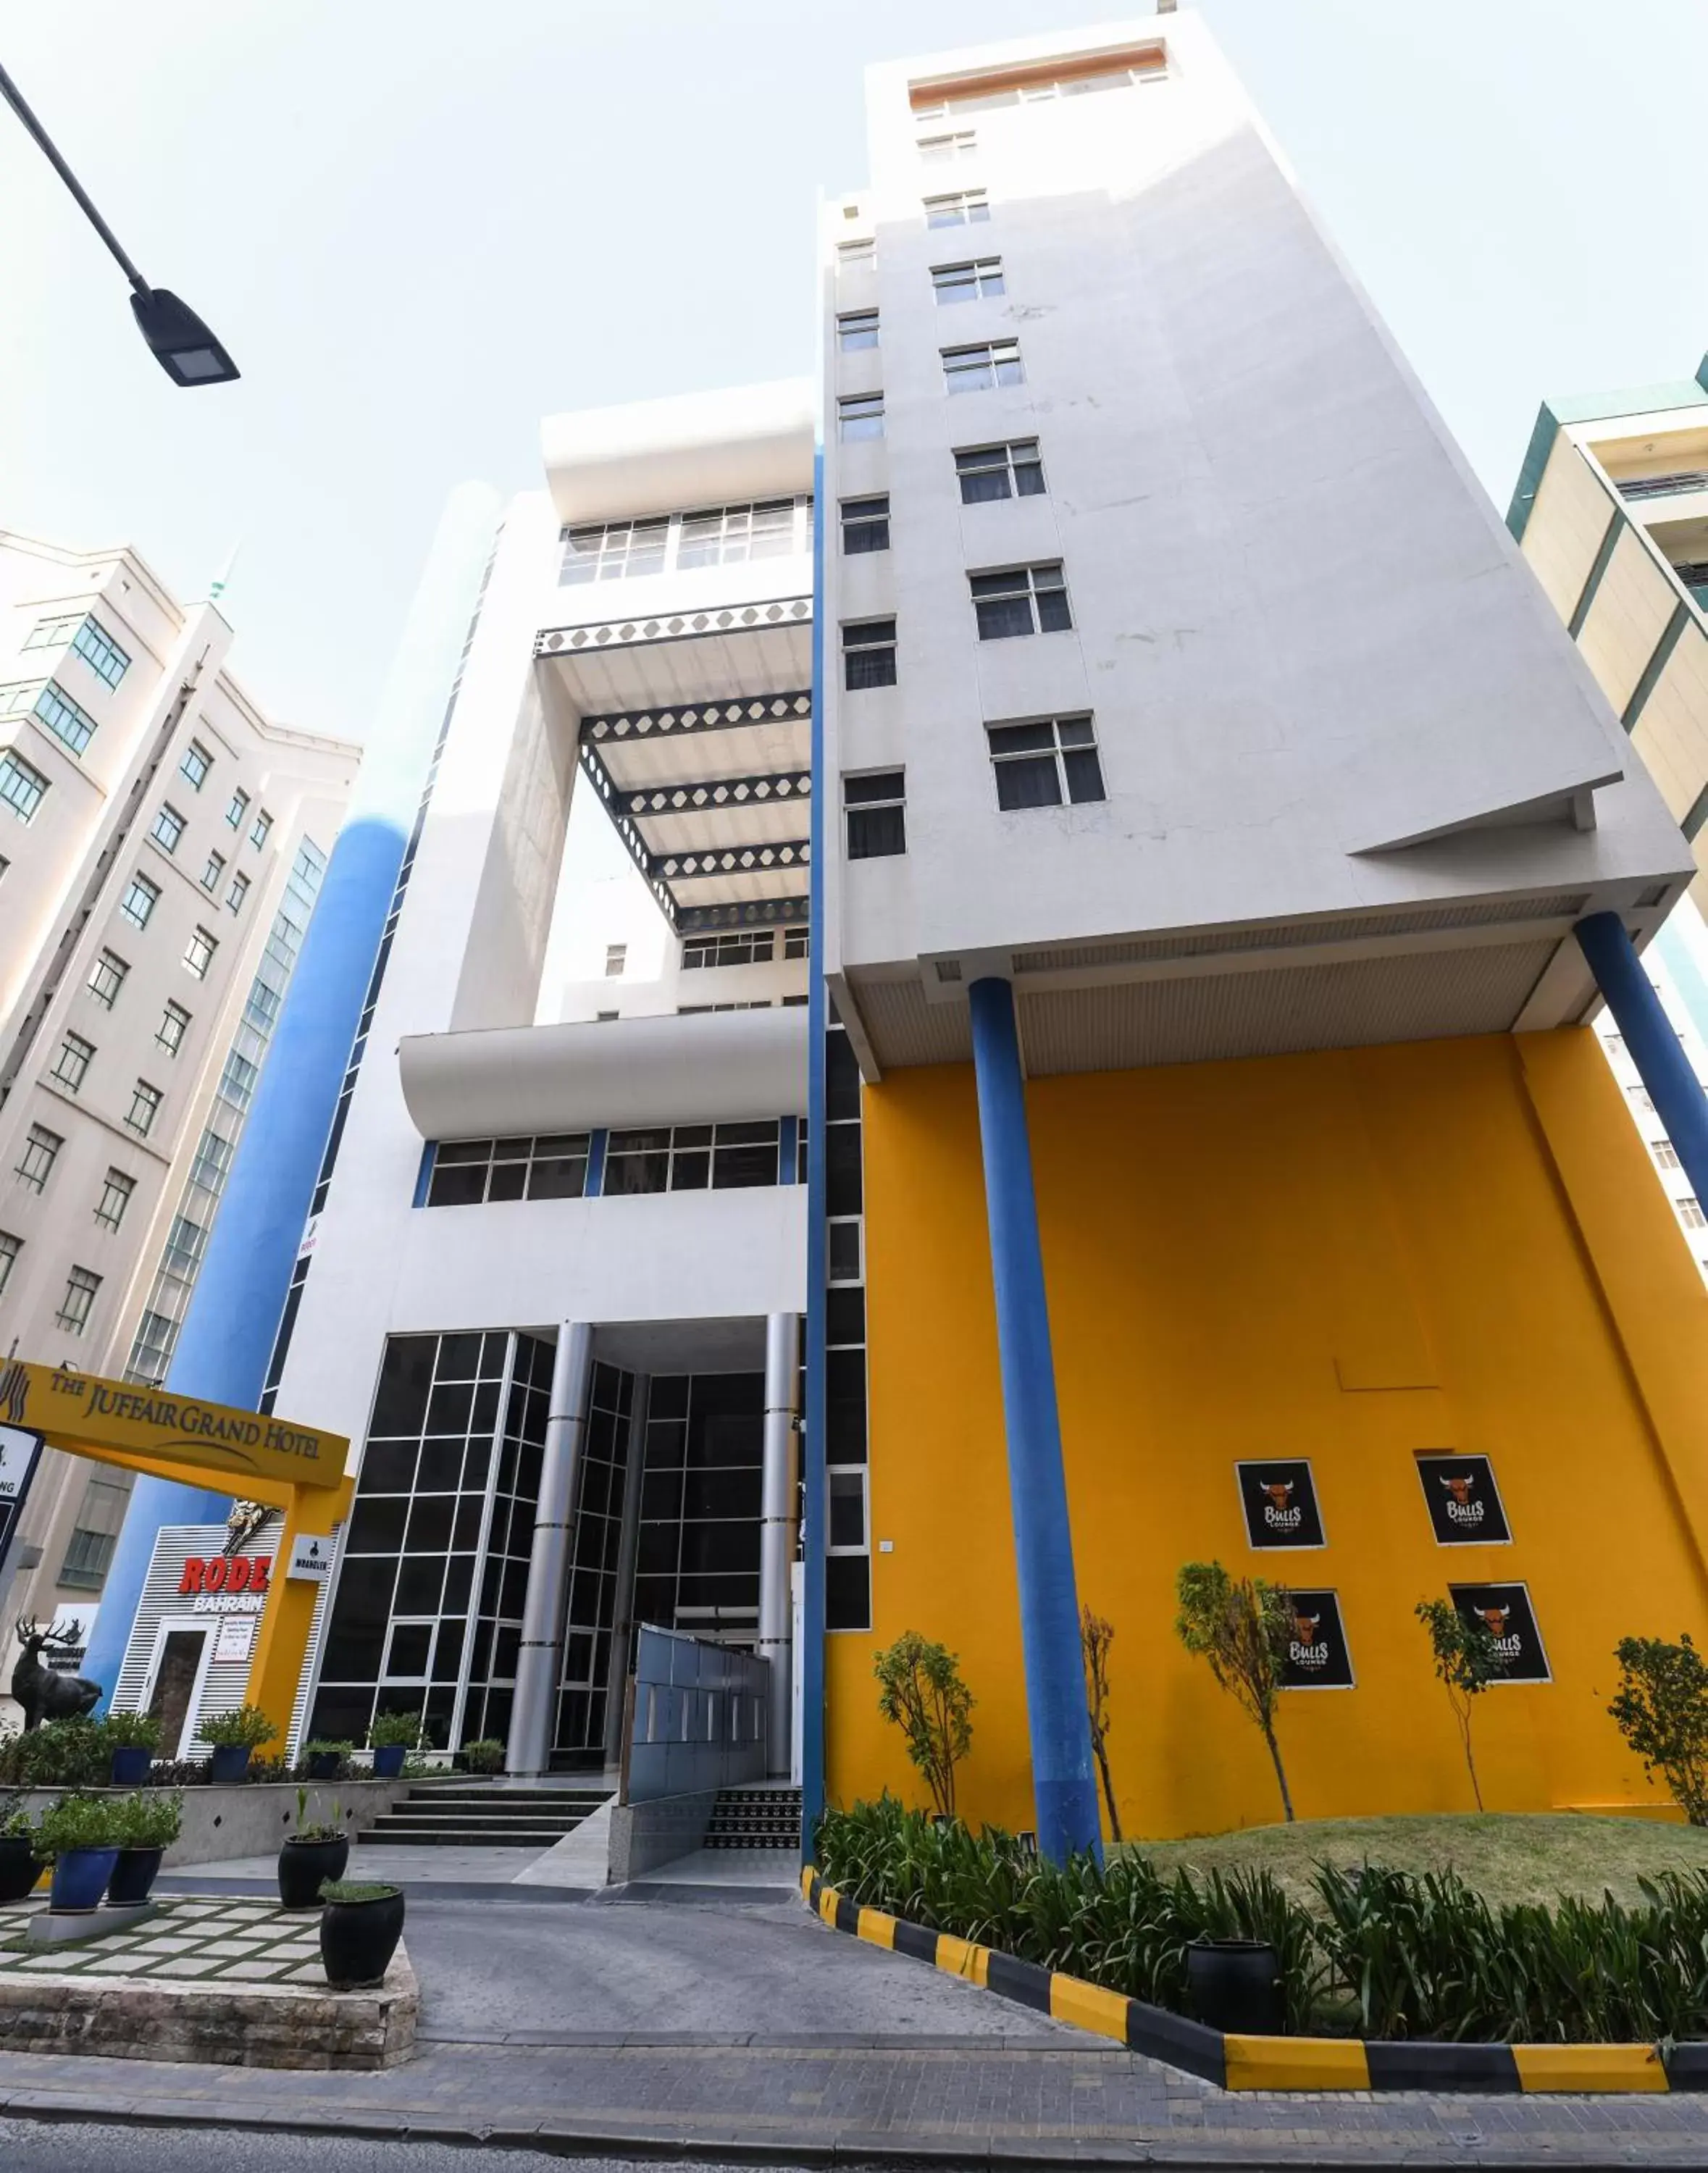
<point>1070,855</point>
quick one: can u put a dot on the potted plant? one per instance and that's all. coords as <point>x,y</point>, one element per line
<point>134,1738</point>
<point>314,1856</point>
<point>392,1735</point>
<point>233,1736</point>
<point>327,1759</point>
<point>19,1866</point>
<point>485,1754</point>
<point>149,1824</point>
<point>360,1928</point>
<point>82,1835</point>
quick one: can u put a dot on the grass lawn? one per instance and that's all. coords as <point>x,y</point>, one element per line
<point>1506,1857</point>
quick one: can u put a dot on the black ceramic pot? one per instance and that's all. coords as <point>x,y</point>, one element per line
<point>323,1765</point>
<point>1235,1986</point>
<point>303,1864</point>
<point>359,1938</point>
<point>19,1868</point>
<point>133,1874</point>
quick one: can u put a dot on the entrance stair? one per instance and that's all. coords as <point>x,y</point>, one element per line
<point>489,1815</point>
<point>755,1818</point>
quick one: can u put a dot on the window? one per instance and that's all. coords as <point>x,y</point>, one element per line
<point>865,525</point>
<point>80,1288</point>
<point>169,1033</point>
<point>63,718</point>
<point>1041,765</point>
<point>469,1173</point>
<point>1690,1213</point>
<point>186,1242</point>
<point>198,952</point>
<point>994,472</point>
<point>100,652</point>
<point>844,1249</point>
<point>106,977</point>
<point>100,1519</point>
<point>214,870</point>
<point>53,633</point>
<point>847,1510</point>
<point>115,1198</point>
<point>873,807</point>
<point>946,150</point>
<point>212,1161</point>
<point>197,763</point>
<point>746,946</point>
<point>40,1150</point>
<point>691,1158</point>
<point>10,1247</point>
<point>21,787</point>
<point>860,416</point>
<point>238,1081</point>
<point>734,533</point>
<point>1665,1153</point>
<point>237,893</point>
<point>965,208</point>
<point>167,827</point>
<point>1027,600</point>
<point>1150,66</point>
<point>796,942</point>
<point>869,653</point>
<point>1639,1094</point>
<point>140,898</point>
<point>259,828</point>
<point>860,255</point>
<point>72,1062</point>
<point>975,281</point>
<point>237,809</point>
<point>856,329</point>
<point>980,369</point>
<point>604,1018</point>
<point>613,551</point>
<point>616,958</point>
<point>145,1102</point>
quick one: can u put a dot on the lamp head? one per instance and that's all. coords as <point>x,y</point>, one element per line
<point>180,342</point>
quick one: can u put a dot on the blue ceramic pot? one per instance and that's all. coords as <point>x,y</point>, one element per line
<point>230,1763</point>
<point>388,1761</point>
<point>131,1764</point>
<point>80,1877</point>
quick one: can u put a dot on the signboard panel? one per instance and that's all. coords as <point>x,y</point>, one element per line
<point>1317,1658</point>
<point>1464,1504</point>
<point>21,1451</point>
<point>235,1639</point>
<point>1280,1502</point>
<point>1506,1611</point>
<point>83,1411</point>
<point>311,1558</point>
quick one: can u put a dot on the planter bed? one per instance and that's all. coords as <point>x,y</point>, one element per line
<point>251,1818</point>
<point>1269,2063</point>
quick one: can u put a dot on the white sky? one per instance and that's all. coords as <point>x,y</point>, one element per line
<point>421,225</point>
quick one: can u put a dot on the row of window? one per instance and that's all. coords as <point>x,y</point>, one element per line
<point>1020,601</point>
<point>664,1158</point>
<point>1048,762</point>
<point>742,947</point>
<point>985,474</point>
<point>86,637</point>
<point>168,828</point>
<point>721,535</point>
<point>81,1284</point>
<point>979,279</point>
<point>1148,66</point>
<point>980,367</point>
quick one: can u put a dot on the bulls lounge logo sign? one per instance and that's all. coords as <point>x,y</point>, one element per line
<point>1506,1612</point>
<point>1280,1502</point>
<point>1317,1655</point>
<point>1464,1504</point>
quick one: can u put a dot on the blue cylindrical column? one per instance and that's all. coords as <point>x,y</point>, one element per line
<point>227,1338</point>
<point>1665,1070</point>
<point>1064,1787</point>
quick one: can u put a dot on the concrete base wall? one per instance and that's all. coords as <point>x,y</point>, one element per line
<point>644,1836</point>
<point>221,1823</point>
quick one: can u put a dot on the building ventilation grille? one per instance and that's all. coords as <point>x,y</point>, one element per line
<point>948,969</point>
<point>1350,928</point>
<point>1656,894</point>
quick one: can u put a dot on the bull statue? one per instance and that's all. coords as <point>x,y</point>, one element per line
<point>43,1692</point>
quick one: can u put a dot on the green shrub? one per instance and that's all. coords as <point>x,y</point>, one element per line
<point>1467,1660</point>
<point>920,1688</point>
<point>248,1725</point>
<point>485,1754</point>
<point>326,1747</point>
<point>330,1828</point>
<point>390,1728</point>
<point>61,1754</point>
<point>355,1890</point>
<point>149,1820</point>
<point>1242,1627</point>
<point>129,1731</point>
<point>1662,1708</point>
<point>79,1821</point>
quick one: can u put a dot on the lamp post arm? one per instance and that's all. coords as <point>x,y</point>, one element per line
<point>14,98</point>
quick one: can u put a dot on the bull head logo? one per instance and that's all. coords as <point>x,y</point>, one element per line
<point>1305,1627</point>
<point>1460,1488</point>
<point>1279,1490</point>
<point>1495,1620</point>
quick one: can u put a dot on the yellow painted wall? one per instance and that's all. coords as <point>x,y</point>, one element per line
<point>1628,616</point>
<point>1347,1256</point>
<point>1567,523</point>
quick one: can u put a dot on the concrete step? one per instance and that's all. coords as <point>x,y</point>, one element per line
<point>408,1837</point>
<point>415,1814</point>
<point>578,1799</point>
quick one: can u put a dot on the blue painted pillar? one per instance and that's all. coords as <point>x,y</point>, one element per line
<point>1665,1070</point>
<point>227,1338</point>
<point>1064,1787</point>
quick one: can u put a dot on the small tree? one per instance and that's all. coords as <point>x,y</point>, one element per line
<point>1244,1628</point>
<point>1662,1709</point>
<point>1097,1635</point>
<point>1466,1661</point>
<point>922,1691</point>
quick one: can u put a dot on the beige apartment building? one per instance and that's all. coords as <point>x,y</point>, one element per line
<point>161,845</point>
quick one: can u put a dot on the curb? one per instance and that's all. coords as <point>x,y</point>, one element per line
<point>1235,2062</point>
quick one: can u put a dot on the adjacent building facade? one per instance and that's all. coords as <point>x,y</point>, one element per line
<point>161,847</point>
<point>1014,854</point>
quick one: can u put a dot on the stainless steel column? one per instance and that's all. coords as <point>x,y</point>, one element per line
<point>627,1547</point>
<point>779,1507</point>
<point>539,1663</point>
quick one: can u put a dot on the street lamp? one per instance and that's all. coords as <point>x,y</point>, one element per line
<point>177,338</point>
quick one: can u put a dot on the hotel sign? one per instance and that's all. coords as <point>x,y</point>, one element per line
<point>82,1412</point>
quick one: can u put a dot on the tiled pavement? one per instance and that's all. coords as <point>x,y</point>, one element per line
<point>237,1941</point>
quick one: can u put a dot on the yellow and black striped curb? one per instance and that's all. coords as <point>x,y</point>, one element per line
<point>1269,2063</point>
